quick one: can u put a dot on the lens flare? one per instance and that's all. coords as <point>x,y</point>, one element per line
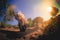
<point>44,9</point>
<point>49,9</point>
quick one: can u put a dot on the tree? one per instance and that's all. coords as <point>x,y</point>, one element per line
<point>3,4</point>
<point>29,22</point>
<point>58,1</point>
<point>8,10</point>
<point>9,13</point>
<point>37,21</point>
<point>54,11</point>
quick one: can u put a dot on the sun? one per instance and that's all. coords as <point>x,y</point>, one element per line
<point>49,9</point>
<point>47,15</point>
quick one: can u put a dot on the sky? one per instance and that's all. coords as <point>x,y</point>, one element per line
<point>32,8</point>
<point>25,6</point>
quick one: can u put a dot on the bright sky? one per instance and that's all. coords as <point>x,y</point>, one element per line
<point>33,8</point>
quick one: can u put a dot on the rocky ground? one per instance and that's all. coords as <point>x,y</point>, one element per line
<point>31,33</point>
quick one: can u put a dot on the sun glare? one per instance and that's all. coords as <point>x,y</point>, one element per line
<point>44,9</point>
<point>49,9</point>
<point>47,15</point>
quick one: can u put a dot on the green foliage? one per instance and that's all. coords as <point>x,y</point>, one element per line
<point>16,27</point>
<point>2,24</point>
<point>4,5</point>
<point>29,22</point>
<point>9,13</point>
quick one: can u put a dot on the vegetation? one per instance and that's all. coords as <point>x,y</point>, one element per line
<point>2,24</point>
<point>37,21</point>
<point>58,1</point>
<point>29,22</point>
<point>7,13</point>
